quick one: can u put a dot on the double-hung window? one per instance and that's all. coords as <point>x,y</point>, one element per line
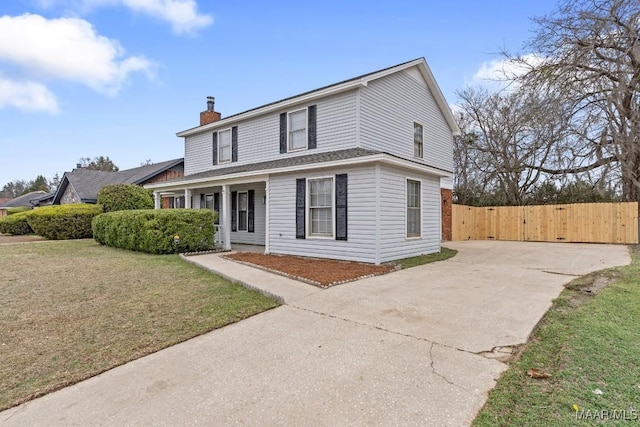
<point>418,135</point>
<point>224,146</point>
<point>298,130</point>
<point>242,211</point>
<point>321,207</point>
<point>413,208</point>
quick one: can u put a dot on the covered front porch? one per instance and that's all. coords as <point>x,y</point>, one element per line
<point>241,208</point>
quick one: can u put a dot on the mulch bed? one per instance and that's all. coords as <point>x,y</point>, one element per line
<point>319,272</point>
<point>7,238</point>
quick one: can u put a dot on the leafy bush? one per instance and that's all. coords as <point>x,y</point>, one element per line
<point>17,209</point>
<point>15,224</point>
<point>122,197</point>
<point>64,221</point>
<point>153,231</point>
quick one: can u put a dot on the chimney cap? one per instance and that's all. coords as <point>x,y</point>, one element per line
<point>210,103</point>
<point>78,165</point>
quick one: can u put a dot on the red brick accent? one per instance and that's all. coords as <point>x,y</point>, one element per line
<point>207,117</point>
<point>446,200</point>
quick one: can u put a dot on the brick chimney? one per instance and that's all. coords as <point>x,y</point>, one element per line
<point>209,116</point>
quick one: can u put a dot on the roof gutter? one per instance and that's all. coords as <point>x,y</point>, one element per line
<point>262,174</point>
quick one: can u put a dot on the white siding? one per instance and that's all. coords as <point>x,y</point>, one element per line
<point>388,108</point>
<point>393,242</point>
<point>361,215</point>
<point>259,138</point>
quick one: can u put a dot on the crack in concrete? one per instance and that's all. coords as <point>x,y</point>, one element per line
<point>435,372</point>
<point>433,343</point>
<point>556,272</point>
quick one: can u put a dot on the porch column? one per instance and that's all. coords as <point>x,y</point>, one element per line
<point>156,200</point>
<point>266,217</point>
<point>187,198</point>
<point>226,218</point>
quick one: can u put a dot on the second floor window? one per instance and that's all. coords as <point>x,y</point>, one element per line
<point>298,130</point>
<point>417,140</point>
<point>224,146</point>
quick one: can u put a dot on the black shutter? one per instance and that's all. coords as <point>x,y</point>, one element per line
<point>250,211</point>
<point>216,206</point>
<point>311,129</point>
<point>301,185</point>
<point>283,133</point>
<point>234,211</point>
<point>202,202</point>
<point>341,207</point>
<point>215,148</point>
<point>234,144</point>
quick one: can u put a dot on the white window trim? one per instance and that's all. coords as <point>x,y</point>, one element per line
<point>406,211</point>
<point>238,212</point>
<point>220,161</point>
<point>306,130</point>
<point>308,208</point>
<point>414,140</point>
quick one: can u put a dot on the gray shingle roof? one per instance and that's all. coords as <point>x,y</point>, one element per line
<point>307,159</point>
<point>28,200</point>
<point>87,183</point>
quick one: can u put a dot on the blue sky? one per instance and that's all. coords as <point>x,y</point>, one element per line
<point>118,78</point>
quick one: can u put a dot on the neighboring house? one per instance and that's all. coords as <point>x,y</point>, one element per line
<point>82,185</point>
<point>350,171</point>
<point>29,200</point>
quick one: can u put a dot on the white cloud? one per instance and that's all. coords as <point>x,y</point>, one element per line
<point>498,73</point>
<point>67,49</point>
<point>27,96</point>
<point>183,15</point>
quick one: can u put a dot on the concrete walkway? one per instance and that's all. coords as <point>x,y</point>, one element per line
<point>409,348</point>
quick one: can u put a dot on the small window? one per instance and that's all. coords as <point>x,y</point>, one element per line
<point>417,140</point>
<point>179,202</point>
<point>224,146</point>
<point>298,130</point>
<point>413,208</point>
<point>242,211</point>
<point>208,201</point>
<point>321,207</point>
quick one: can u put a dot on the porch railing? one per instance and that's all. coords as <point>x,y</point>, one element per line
<point>218,239</point>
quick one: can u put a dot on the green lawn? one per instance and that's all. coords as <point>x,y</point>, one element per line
<point>72,309</point>
<point>444,254</point>
<point>591,347</point>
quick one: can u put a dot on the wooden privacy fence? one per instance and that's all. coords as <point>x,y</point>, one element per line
<point>579,222</point>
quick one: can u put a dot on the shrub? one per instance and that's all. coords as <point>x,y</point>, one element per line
<point>122,197</point>
<point>17,209</point>
<point>153,231</point>
<point>64,221</point>
<point>15,224</point>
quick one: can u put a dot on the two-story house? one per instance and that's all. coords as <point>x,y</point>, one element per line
<point>349,171</point>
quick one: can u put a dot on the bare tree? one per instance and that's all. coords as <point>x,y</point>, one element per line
<point>506,132</point>
<point>590,52</point>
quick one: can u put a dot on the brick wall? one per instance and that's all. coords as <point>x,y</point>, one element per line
<point>207,117</point>
<point>446,201</point>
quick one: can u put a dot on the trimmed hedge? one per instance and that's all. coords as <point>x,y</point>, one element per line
<point>17,209</point>
<point>63,222</point>
<point>153,231</point>
<point>122,197</point>
<point>15,224</point>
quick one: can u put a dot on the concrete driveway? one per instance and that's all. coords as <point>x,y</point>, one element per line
<point>415,347</point>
